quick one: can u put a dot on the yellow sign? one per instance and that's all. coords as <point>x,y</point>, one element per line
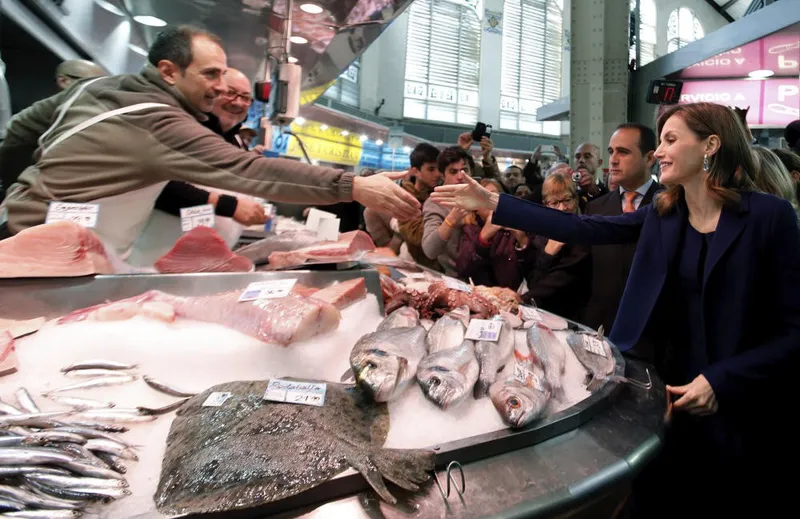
<point>309,96</point>
<point>333,134</point>
<point>325,151</point>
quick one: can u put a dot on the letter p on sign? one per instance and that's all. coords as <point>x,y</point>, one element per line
<point>786,91</point>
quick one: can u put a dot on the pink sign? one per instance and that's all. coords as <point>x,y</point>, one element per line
<point>779,52</point>
<point>781,101</point>
<point>772,102</point>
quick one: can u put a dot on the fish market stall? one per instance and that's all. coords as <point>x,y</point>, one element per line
<point>187,342</point>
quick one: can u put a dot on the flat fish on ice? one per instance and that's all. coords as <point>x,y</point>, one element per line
<point>249,451</point>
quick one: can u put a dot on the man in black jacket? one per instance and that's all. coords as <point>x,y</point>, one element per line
<point>631,151</point>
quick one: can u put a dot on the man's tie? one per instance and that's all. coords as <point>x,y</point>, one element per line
<point>628,206</point>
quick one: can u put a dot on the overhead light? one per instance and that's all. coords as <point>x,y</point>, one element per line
<point>300,121</point>
<point>298,40</point>
<point>761,73</point>
<point>137,49</point>
<point>111,8</point>
<point>311,8</point>
<point>292,59</point>
<point>363,137</point>
<point>379,142</point>
<point>345,133</point>
<point>152,21</point>
<point>406,149</point>
<point>323,127</point>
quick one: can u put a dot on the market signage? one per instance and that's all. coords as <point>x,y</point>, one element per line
<point>772,102</point>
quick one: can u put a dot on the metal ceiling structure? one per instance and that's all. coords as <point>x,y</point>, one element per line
<point>733,10</point>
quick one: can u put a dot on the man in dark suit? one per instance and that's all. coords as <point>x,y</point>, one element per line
<point>631,161</point>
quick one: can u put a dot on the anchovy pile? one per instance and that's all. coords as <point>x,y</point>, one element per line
<point>56,464</point>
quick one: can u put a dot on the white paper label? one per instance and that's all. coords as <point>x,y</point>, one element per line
<point>594,345</point>
<point>271,289</point>
<point>522,373</point>
<point>456,284</point>
<point>84,215</point>
<point>328,229</point>
<point>314,217</point>
<point>196,216</point>
<point>305,393</point>
<point>483,330</point>
<point>216,399</point>
<point>529,314</point>
<point>411,275</point>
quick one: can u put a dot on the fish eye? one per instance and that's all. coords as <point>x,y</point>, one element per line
<point>371,365</point>
<point>513,402</point>
<point>435,381</point>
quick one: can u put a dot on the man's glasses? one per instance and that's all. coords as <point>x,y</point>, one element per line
<point>233,95</point>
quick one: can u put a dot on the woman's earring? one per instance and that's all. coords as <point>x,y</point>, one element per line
<point>705,163</point>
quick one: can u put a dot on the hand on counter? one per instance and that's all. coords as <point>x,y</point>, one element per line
<point>249,212</point>
<point>380,193</point>
<point>696,397</point>
<point>470,195</point>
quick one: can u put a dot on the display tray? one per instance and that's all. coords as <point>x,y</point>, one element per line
<point>49,298</point>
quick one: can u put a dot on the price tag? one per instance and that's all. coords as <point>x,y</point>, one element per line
<point>305,393</point>
<point>84,215</point>
<point>484,330</point>
<point>594,345</point>
<point>529,314</point>
<point>315,216</point>
<point>272,289</point>
<point>522,373</point>
<point>456,284</point>
<point>196,216</point>
<point>216,399</point>
<point>269,210</point>
<point>328,229</point>
<point>411,275</point>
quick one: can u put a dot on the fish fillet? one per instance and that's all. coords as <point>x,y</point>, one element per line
<point>259,251</point>
<point>60,249</point>
<point>345,249</point>
<point>342,295</point>
<point>281,321</point>
<point>201,250</point>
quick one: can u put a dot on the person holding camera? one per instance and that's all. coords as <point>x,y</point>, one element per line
<point>488,168</point>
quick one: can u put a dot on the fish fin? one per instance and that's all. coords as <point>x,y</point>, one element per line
<point>405,468</point>
<point>481,389</point>
<point>348,376</point>
<point>364,464</point>
<point>595,384</point>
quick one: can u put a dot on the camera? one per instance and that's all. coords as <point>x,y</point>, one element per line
<point>481,130</point>
<point>576,177</point>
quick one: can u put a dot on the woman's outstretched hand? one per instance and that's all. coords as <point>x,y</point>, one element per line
<point>696,397</point>
<point>470,195</point>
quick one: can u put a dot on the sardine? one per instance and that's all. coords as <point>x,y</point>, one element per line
<point>98,364</point>
<point>599,366</point>
<point>90,373</point>
<point>42,437</point>
<point>25,469</point>
<point>164,388</point>
<point>115,415</point>
<point>404,317</point>
<point>86,469</point>
<point>10,505</point>
<point>111,380</point>
<point>161,410</point>
<point>112,462</point>
<point>90,433</point>
<point>550,352</point>
<point>446,333</point>
<point>97,426</point>
<point>31,499</point>
<point>6,408</point>
<point>385,362</point>
<point>20,456</point>
<point>83,454</point>
<point>80,403</point>
<point>492,357</point>
<point>111,447</point>
<point>45,514</point>
<point>76,482</point>
<point>65,495</point>
<point>26,401</point>
<point>448,376</point>
<point>28,419</point>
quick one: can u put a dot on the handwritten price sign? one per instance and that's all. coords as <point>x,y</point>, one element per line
<point>272,289</point>
<point>84,215</point>
<point>290,392</point>
<point>196,216</point>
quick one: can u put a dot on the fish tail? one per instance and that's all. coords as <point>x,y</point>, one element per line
<point>481,388</point>
<point>595,384</point>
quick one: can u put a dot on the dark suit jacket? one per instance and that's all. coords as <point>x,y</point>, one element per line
<point>610,265</point>
<point>751,292</point>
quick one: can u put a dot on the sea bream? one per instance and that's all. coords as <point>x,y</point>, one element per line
<point>449,376</point>
<point>250,451</point>
<point>523,397</point>
<point>402,317</point>
<point>550,352</point>
<point>492,357</point>
<point>448,331</point>
<point>595,355</point>
<point>385,362</point>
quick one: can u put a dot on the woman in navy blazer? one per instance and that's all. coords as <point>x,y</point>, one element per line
<point>715,277</point>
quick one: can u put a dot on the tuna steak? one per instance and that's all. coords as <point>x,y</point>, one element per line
<point>201,250</point>
<point>345,249</point>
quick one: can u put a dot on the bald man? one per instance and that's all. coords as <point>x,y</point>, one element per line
<point>76,69</point>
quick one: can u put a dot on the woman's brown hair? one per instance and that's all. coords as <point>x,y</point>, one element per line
<point>731,168</point>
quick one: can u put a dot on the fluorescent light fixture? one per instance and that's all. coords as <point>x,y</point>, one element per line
<point>292,59</point>
<point>311,8</point>
<point>137,49</point>
<point>111,8</point>
<point>379,142</point>
<point>363,137</point>
<point>761,73</point>
<point>298,40</point>
<point>152,21</point>
<point>323,127</point>
<point>407,149</point>
<point>345,133</point>
<point>300,121</point>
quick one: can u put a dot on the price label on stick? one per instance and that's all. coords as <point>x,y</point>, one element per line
<point>529,314</point>
<point>272,289</point>
<point>216,399</point>
<point>594,345</point>
<point>456,284</point>
<point>483,330</point>
<point>84,215</point>
<point>196,216</point>
<point>291,392</point>
<point>315,216</point>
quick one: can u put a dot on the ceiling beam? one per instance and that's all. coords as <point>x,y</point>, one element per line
<point>722,12</point>
<point>729,4</point>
